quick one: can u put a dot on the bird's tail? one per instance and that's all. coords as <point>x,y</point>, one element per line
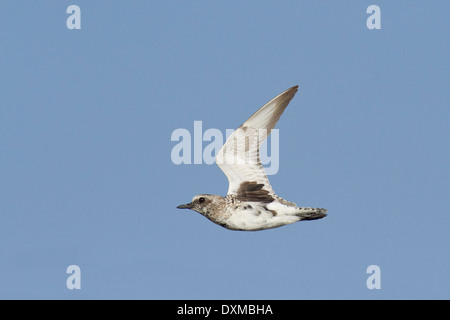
<point>311,213</point>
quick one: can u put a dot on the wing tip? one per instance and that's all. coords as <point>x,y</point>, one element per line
<point>293,89</point>
<point>287,94</point>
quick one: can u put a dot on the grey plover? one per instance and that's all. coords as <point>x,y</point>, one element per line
<point>251,204</point>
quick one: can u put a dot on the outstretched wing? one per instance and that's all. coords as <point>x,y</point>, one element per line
<point>239,156</point>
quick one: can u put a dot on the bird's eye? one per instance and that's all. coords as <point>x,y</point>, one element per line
<point>201,200</point>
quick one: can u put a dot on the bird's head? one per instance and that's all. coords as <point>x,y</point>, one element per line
<point>202,203</point>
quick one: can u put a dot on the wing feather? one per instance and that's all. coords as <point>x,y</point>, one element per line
<point>239,156</point>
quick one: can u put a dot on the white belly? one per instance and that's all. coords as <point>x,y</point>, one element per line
<point>251,217</point>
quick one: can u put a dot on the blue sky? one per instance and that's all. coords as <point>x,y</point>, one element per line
<point>86,176</point>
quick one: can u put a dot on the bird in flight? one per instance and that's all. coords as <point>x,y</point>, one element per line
<point>251,204</point>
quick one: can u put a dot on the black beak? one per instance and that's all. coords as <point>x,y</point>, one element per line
<point>185,206</point>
